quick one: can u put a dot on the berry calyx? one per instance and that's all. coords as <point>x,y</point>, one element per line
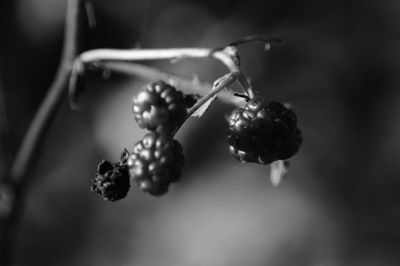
<point>156,161</point>
<point>263,132</point>
<point>111,180</point>
<point>159,106</point>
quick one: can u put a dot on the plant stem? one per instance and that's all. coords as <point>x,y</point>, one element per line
<point>183,84</point>
<point>225,56</point>
<point>18,176</point>
<point>218,86</point>
<point>156,54</point>
<point>225,81</point>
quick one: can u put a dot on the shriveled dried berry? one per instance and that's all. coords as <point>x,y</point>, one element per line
<point>156,161</point>
<point>111,180</point>
<point>263,132</point>
<point>160,107</point>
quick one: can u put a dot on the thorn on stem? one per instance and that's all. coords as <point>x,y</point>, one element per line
<point>267,40</point>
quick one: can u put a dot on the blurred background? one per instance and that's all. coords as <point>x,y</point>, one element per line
<point>339,69</point>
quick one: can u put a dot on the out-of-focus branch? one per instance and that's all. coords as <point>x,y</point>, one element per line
<point>18,176</point>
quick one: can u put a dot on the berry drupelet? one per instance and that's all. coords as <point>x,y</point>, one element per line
<point>263,132</point>
<point>111,181</point>
<point>160,107</point>
<point>156,161</point>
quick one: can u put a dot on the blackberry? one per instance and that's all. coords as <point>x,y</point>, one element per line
<point>160,107</point>
<point>263,132</point>
<point>156,161</point>
<point>111,180</point>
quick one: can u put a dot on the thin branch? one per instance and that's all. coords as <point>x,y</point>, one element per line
<point>219,85</point>
<point>52,100</point>
<point>18,176</point>
<point>153,54</point>
<point>186,85</point>
<point>227,56</point>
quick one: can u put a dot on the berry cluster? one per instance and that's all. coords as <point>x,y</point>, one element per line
<point>157,160</point>
<point>260,132</point>
<point>263,132</point>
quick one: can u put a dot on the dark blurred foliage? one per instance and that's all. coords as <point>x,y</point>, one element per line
<point>338,67</point>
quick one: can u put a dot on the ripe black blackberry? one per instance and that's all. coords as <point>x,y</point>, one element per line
<point>156,161</point>
<point>159,106</point>
<point>263,132</point>
<point>111,180</point>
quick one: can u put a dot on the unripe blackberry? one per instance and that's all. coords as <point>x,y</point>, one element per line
<point>160,107</point>
<point>156,161</point>
<point>111,181</point>
<point>263,132</point>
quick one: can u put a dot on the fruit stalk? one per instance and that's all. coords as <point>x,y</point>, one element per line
<point>218,86</point>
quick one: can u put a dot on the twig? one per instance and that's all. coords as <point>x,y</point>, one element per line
<point>183,84</point>
<point>18,176</point>
<point>227,56</point>
<point>219,85</point>
<point>96,55</point>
